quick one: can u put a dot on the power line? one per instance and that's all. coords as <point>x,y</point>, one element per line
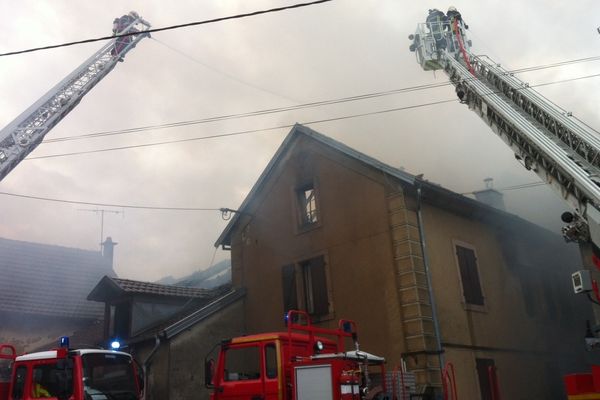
<point>233,78</point>
<point>553,65</point>
<point>277,127</point>
<point>244,132</point>
<point>515,187</point>
<point>247,114</point>
<point>141,207</point>
<point>209,21</point>
<point>300,106</point>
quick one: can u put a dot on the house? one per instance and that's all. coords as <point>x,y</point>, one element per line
<point>43,291</point>
<point>430,276</point>
<point>169,330</point>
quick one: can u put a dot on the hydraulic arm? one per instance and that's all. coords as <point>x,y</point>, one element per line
<point>25,133</point>
<point>547,140</point>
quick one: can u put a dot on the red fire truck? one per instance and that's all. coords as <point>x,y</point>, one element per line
<point>305,363</point>
<point>64,374</point>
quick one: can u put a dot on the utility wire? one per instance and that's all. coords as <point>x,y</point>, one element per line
<point>276,127</point>
<point>209,21</point>
<point>515,187</point>
<point>233,78</point>
<point>246,131</point>
<point>142,207</point>
<point>298,107</point>
<point>108,204</point>
<point>247,114</point>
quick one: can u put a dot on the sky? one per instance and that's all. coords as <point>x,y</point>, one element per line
<point>328,51</point>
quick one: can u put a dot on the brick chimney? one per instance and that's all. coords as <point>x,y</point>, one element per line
<point>108,249</point>
<point>490,196</point>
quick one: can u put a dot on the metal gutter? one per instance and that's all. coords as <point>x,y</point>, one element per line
<point>203,313</point>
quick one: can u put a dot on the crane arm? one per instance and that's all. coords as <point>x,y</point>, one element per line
<point>562,152</point>
<point>21,136</point>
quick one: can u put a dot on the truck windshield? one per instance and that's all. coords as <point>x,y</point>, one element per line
<point>108,377</point>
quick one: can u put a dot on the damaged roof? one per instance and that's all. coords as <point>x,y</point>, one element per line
<point>430,192</point>
<point>50,280</point>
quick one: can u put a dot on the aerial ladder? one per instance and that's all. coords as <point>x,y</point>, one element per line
<point>26,132</point>
<point>563,152</point>
<point>547,140</point>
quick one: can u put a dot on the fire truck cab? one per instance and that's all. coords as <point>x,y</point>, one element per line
<point>64,374</point>
<point>296,364</point>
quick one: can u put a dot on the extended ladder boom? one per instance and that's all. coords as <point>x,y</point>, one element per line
<point>25,133</point>
<point>548,141</point>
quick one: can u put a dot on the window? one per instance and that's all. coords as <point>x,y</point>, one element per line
<point>315,286</point>
<point>271,361</point>
<point>19,382</point>
<point>309,279</point>
<point>307,203</point>
<point>483,373</point>
<point>242,363</point>
<point>108,376</point>
<point>120,315</point>
<point>469,275</point>
<point>49,381</point>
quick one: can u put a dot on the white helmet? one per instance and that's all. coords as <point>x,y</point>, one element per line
<point>451,8</point>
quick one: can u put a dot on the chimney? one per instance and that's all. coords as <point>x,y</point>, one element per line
<point>490,196</point>
<point>108,249</point>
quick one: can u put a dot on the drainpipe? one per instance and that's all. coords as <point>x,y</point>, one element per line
<point>147,363</point>
<point>436,323</point>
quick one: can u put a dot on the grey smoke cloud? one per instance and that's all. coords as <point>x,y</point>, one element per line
<point>342,48</point>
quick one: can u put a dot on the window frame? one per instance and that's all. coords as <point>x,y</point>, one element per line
<point>300,288</point>
<point>466,305</point>
<point>301,222</point>
<point>259,353</point>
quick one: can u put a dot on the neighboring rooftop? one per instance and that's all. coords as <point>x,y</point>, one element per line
<point>110,288</point>
<point>50,280</point>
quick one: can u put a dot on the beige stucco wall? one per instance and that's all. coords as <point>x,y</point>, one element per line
<point>522,345</point>
<point>354,236</point>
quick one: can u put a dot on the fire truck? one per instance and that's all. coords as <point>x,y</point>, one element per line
<point>64,374</point>
<point>26,132</point>
<point>305,362</point>
<point>562,151</point>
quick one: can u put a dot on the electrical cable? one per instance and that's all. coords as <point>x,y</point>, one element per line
<point>275,127</point>
<point>515,187</point>
<point>233,78</point>
<point>244,132</point>
<point>140,207</point>
<point>281,109</point>
<point>186,25</point>
<point>247,114</point>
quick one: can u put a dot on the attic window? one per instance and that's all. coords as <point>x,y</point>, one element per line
<point>307,204</point>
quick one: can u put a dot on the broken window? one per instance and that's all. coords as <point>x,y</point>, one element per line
<point>469,275</point>
<point>307,203</point>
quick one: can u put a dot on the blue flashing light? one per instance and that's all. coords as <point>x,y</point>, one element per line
<point>347,326</point>
<point>286,318</point>
<point>115,345</point>
<point>64,341</point>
